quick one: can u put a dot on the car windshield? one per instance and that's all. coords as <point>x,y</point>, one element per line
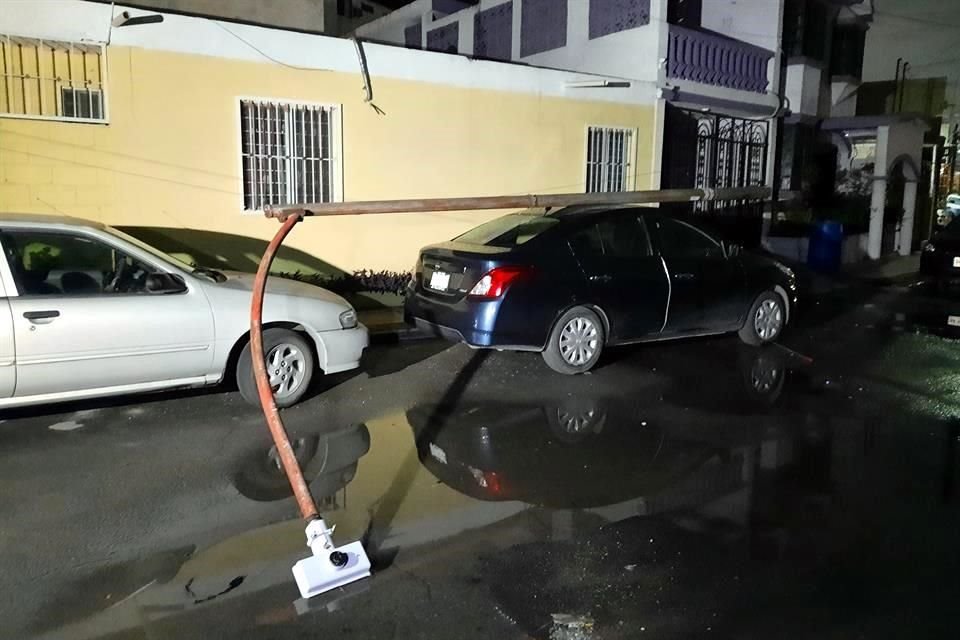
<point>509,231</point>
<point>156,253</point>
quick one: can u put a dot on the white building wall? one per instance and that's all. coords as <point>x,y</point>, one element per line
<point>630,54</point>
<point>636,54</point>
<point>802,88</point>
<point>755,21</point>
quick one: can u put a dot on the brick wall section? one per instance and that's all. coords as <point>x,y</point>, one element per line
<point>445,38</point>
<point>493,32</point>
<point>613,16</point>
<point>543,26</point>
<point>57,177</point>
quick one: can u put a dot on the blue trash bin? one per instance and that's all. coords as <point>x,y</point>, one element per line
<point>825,251</point>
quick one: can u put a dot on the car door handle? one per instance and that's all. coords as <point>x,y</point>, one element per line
<point>683,276</point>
<point>39,316</point>
<point>603,278</point>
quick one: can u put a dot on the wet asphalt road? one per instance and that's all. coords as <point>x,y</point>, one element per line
<point>689,489</point>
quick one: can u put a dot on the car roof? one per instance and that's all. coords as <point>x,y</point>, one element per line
<point>45,219</point>
<point>585,209</point>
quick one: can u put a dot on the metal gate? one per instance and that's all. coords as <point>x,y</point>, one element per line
<point>730,152</point>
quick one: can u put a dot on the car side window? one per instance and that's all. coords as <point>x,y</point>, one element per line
<point>50,264</point>
<point>680,240</point>
<point>619,236</point>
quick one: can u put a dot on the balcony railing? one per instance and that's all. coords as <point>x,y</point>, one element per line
<point>711,58</point>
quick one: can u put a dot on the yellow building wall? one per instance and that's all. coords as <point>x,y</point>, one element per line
<point>170,156</point>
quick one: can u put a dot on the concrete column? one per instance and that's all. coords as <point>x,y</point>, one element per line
<point>578,24</point>
<point>909,208</point>
<point>878,202</point>
<point>465,32</point>
<point>879,197</point>
<point>515,43</point>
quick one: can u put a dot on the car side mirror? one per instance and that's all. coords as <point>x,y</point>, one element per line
<point>163,283</point>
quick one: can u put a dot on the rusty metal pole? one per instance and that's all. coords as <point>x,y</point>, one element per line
<point>290,215</point>
<point>427,205</point>
<point>308,508</point>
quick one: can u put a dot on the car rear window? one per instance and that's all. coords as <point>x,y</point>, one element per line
<point>509,231</point>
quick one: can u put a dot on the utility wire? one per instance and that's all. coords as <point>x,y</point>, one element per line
<point>264,53</point>
<point>926,21</point>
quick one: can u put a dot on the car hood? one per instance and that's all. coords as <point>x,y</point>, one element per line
<point>239,281</point>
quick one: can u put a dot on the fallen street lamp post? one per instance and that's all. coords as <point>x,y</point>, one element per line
<point>330,567</point>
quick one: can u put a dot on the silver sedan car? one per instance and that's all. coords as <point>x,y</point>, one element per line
<point>89,311</point>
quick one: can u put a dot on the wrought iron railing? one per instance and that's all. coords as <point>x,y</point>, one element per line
<point>714,59</point>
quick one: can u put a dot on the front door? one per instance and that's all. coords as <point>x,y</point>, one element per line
<point>83,320</point>
<point>622,274</point>
<point>706,287</point>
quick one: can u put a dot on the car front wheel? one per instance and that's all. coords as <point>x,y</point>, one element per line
<point>290,365</point>
<point>575,342</point>
<point>765,320</point>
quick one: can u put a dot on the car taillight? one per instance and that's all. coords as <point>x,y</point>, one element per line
<point>494,283</point>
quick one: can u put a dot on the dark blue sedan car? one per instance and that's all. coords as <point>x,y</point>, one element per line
<point>569,282</point>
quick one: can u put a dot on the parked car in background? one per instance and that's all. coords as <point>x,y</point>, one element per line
<point>953,205</point>
<point>940,258</point>
<point>88,311</point>
<point>568,283</point>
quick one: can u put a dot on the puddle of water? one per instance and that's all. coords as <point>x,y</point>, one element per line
<point>69,425</point>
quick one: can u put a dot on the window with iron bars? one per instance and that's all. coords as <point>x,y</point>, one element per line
<point>288,153</point>
<point>51,79</point>
<point>609,159</point>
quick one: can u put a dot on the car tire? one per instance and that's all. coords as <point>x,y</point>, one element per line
<point>575,343</point>
<point>294,365</point>
<point>765,320</point>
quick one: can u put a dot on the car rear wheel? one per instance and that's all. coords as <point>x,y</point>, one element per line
<point>575,342</point>
<point>765,321</point>
<point>290,365</point>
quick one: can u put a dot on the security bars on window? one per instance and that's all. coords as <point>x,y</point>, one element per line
<point>51,79</point>
<point>609,159</point>
<point>287,153</point>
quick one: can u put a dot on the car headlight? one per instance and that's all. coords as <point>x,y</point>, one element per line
<point>348,319</point>
<point>929,247</point>
<point>785,270</point>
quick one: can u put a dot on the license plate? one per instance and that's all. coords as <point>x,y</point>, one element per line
<point>440,280</point>
<point>953,321</point>
<point>438,454</point>
<point>956,262</point>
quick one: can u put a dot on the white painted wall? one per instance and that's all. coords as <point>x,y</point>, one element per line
<point>904,138</point>
<point>802,88</point>
<point>636,54</point>
<point>628,54</point>
<point>753,21</point>
<point>843,98</point>
<point>464,19</point>
<point>78,21</point>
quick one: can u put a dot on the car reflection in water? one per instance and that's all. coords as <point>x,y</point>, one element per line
<point>590,451</point>
<point>328,460</point>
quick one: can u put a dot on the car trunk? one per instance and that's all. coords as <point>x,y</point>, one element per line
<point>451,269</point>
